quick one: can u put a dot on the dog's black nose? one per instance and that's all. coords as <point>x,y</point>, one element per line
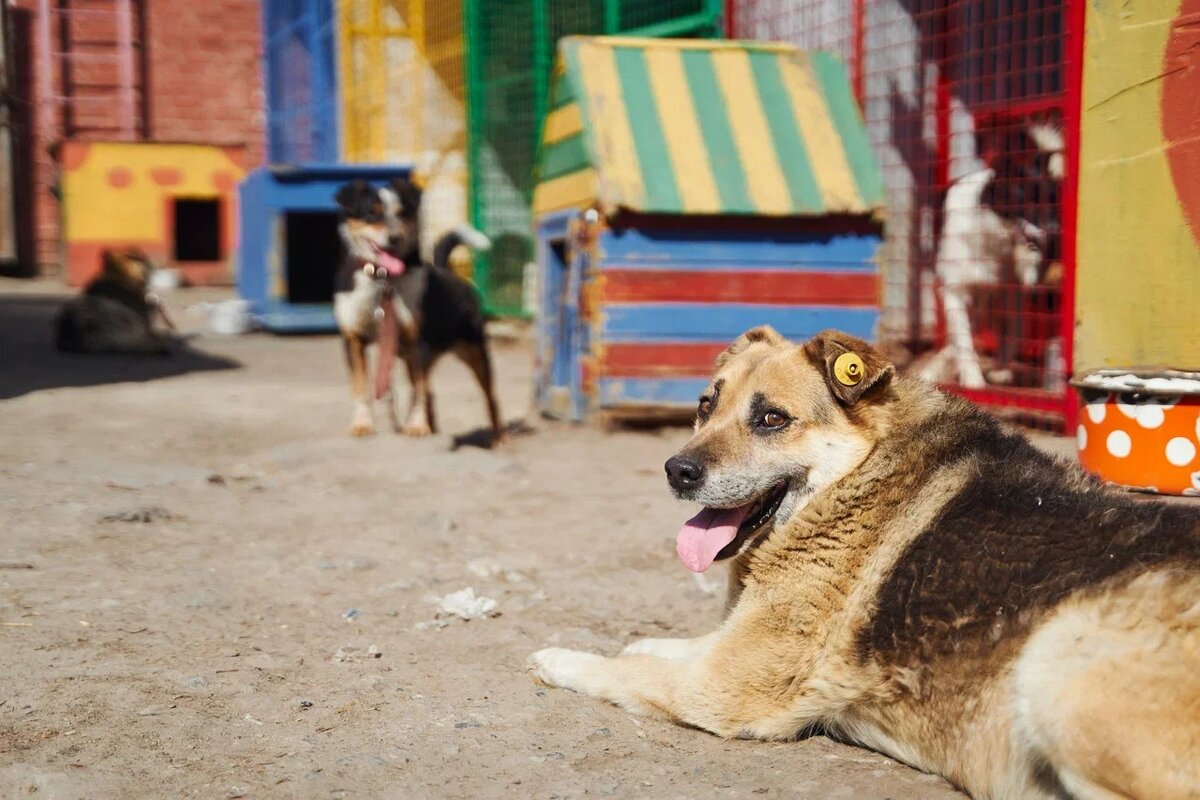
<point>684,473</point>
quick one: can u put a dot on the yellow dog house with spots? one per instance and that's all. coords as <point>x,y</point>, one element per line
<point>176,202</point>
<point>684,192</point>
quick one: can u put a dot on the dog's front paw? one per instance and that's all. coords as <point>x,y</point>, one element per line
<point>557,666</point>
<point>362,428</point>
<point>417,429</point>
<point>361,423</point>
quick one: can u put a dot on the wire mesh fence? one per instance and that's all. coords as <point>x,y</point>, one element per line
<point>509,58</point>
<point>969,104</point>
<point>403,96</point>
<point>301,92</point>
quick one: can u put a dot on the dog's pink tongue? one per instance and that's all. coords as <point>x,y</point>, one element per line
<point>706,534</point>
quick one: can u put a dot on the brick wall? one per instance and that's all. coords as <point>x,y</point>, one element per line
<point>203,84</point>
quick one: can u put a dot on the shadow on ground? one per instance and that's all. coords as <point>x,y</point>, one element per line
<point>29,361</point>
<point>482,437</point>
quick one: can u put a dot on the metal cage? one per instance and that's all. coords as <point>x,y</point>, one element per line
<point>973,109</point>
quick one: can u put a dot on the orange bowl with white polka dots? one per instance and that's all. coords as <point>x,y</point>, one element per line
<point>1141,429</point>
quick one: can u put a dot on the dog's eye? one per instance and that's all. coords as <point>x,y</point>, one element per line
<point>706,406</point>
<point>773,420</point>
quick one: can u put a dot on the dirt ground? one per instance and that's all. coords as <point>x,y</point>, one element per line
<point>208,590</point>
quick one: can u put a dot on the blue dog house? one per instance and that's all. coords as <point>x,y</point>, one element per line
<point>289,247</point>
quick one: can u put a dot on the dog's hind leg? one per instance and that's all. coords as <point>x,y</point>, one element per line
<point>421,420</point>
<point>476,357</point>
<point>1108,691</point>
<point>361,423</point>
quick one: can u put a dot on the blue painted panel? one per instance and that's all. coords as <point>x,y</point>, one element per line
<point>301,90</point>
<point>681,392</point>
<point>658,249</point>
<point>556,224</point>
<point>253,235</point>
<point>697,322</point>
<point>290,318</point>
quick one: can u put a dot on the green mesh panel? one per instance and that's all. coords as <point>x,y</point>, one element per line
<point>509,55</point>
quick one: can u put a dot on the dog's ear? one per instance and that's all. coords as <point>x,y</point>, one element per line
<point>346,196</point>
<point>763,333</point>
<point>410,194</point>
<point>852,368</point>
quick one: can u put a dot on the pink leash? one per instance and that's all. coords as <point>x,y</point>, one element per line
<point>388,332</point>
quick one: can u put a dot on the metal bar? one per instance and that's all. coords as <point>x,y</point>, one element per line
<point>612,17</point>
<point>715,9</point>
<point>473,62</point>
<point>376,126</point>
<point>349,82</point>
<point>46,116</point>
<point>269,101</point>
<point>730,16</point>
<point>858,20</point>
<point>941,111</point>
<point>693,23</point>
<point>1076,19</point>
<point>1016,109</point>
<point>386,30</point>
<point>543,64</point>
<point>128,111</point>
<point>417,26</point>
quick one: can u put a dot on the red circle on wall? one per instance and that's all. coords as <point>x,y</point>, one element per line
<point>167,176</point>
<point>1181,109</point>
<point>119,177</point>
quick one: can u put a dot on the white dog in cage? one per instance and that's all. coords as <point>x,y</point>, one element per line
<point>985,242</point>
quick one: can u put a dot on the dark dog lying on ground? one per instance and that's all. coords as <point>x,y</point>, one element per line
<point>115,313</point>
<point>387,294</point>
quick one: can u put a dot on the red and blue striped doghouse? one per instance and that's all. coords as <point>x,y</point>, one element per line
<point>686,191</point>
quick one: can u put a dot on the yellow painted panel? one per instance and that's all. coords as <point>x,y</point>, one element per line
<point>677,117</point>
<point>1138,279</point>
<point>119,192</point>
<point>751,133</point>
<point>611,135</point>
<point>825,149</point>
<point>563,122</point>
<point>574,190</point>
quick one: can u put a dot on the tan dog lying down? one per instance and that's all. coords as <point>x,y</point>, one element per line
<point>909,576</point>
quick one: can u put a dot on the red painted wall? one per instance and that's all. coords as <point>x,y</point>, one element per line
<point>203,85</point>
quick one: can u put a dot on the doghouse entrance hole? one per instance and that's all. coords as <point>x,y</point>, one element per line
<point>197,230</point>
<point>563,320</point>
<point>312,250</point>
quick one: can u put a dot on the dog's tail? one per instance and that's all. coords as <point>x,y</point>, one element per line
<point>462,236</point>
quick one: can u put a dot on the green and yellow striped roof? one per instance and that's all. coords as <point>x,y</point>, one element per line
<point>677,126</point>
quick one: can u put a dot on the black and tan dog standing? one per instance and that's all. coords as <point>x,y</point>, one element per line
<point>115,312</point>
<point>910,576</point>
<point>385,293</point>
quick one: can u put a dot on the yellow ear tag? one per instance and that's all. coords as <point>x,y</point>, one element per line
<point>848,369</point>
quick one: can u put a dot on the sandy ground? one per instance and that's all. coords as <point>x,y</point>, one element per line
<point>189,542</point>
